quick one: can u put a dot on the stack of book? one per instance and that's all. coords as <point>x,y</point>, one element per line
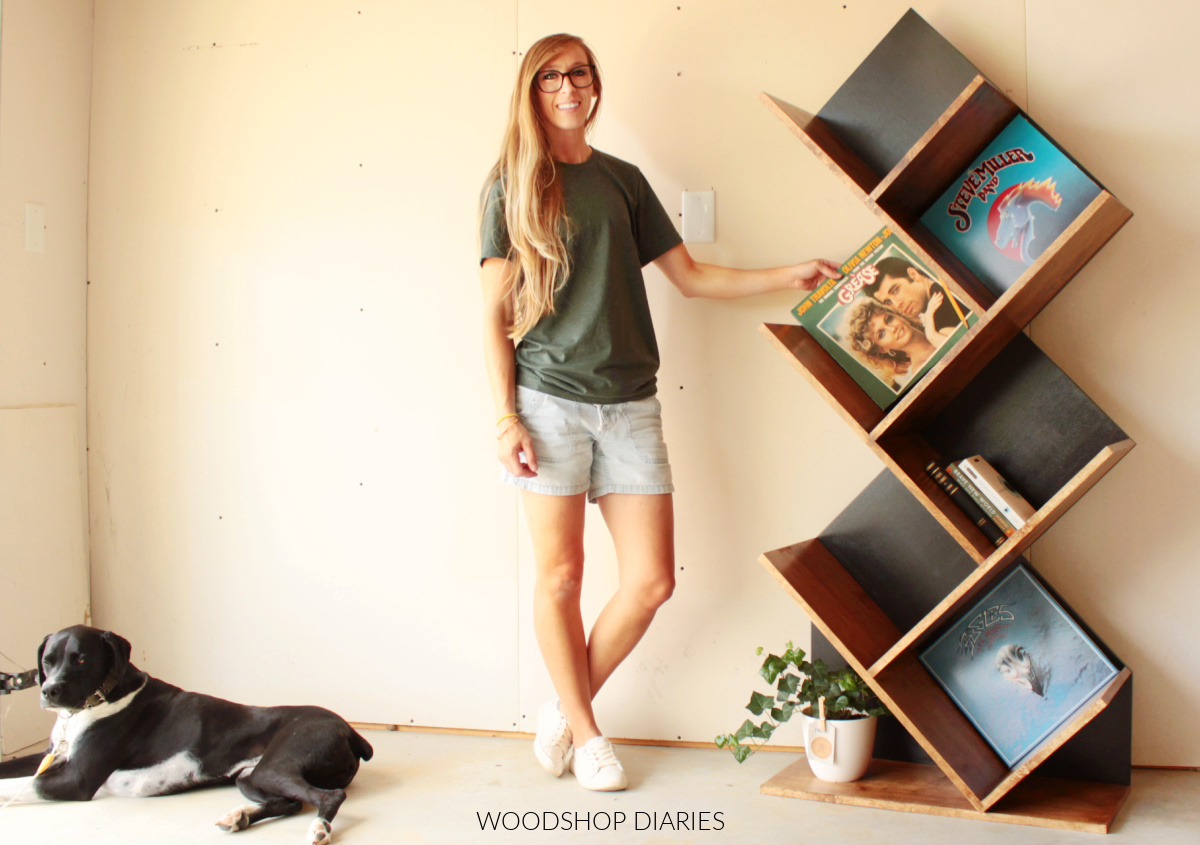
<point>981,493</point>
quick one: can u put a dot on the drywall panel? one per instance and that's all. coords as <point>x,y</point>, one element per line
<point>45,72</point>
<point>291,443</point>
<point>1109,87</point>
<point>43,552</point>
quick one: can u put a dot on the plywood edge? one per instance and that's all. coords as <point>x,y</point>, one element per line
<point>1059,263</point>
<point>833,600</point>
<point>825,145</point>
<point>947,148</point>
<point>1089,711</point>
<point>900,168</point>
<point>913,788</point>
<point>1070,493</point>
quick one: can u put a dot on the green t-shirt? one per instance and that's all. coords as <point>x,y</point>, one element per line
<point>598,346</point>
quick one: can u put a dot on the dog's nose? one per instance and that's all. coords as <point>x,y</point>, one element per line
<point>52,692</point>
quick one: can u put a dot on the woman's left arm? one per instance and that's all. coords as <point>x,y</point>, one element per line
<point>715,282</point>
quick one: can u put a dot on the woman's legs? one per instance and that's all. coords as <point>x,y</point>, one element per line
<point>556,526</point>
<point>643,531</point>
<point>642,527</point>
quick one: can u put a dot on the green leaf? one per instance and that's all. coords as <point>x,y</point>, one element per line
<point>787,686</point>
<point>745,731</point>
<point>742,752</point>
<point>759,703</point>
<point>771,668</point>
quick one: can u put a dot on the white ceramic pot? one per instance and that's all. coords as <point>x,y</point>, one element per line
<point>842,751</point>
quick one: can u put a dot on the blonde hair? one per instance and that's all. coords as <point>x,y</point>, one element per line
<point>858,328</point>
<point>534,210</point>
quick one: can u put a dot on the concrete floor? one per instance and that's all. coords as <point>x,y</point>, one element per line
<point>432,788</point>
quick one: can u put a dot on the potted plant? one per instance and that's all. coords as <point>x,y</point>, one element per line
<point>838,708</point>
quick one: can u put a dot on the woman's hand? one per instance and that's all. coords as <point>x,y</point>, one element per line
<point>515,442</point>
<point>808,275</point>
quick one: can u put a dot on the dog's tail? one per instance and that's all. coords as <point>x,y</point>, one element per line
<point>360,746</point>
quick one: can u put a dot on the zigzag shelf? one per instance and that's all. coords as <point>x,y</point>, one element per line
<point>902,561</point>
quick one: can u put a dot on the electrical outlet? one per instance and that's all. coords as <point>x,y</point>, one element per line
<point>699,217</point>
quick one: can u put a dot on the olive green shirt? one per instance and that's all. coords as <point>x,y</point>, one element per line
<point>598,346</point>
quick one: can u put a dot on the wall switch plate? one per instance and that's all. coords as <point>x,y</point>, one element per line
<point>699,217</point>
<point>35,227</point>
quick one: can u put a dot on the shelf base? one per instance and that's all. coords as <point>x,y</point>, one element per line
<point>914,788</point>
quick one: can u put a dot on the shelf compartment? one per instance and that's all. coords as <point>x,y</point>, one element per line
<point>1028,419</point>
<point>1095,706</point>
<point>859,629</point>
<point>945,150</point>
<point>1003,558</point>
<point>1014,308</point>
<point>1019,391</point>
<point>1055,803</point>
<point>1009,314</point>
<point>906,82</point>
<point>815,134</point>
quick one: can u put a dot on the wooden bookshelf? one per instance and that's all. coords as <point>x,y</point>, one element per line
<point>902,562</point>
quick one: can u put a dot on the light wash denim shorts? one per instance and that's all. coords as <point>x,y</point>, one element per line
<point>597,449</point>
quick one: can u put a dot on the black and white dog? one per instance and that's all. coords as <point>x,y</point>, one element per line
<point>135,735</point>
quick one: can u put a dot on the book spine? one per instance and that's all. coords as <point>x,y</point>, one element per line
<point>984,504</point>
<point>998,491</point>
<point>966,504</point>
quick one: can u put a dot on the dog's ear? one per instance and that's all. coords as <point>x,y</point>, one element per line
<point>41,651</point>
<point>120,648</point>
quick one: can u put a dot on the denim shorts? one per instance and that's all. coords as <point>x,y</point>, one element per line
<point>597,449</point>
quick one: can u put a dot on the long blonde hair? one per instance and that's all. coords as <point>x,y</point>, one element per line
<point>533,200</point>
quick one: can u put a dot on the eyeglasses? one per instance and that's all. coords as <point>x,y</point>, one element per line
<point>550,81</point>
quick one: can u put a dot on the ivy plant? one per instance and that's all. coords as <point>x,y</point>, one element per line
<point>847,696</point>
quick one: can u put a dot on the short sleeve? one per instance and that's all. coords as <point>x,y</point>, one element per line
<point>656,234</point>
<point>493,227</point>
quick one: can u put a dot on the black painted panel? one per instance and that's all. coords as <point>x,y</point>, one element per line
<point>897,93</point>
<point>899,554</point>
<point>1027,419</point>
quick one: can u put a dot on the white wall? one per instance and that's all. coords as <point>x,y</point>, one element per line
<point>1125,556</point>
<point>292,461</point>
<point>45,72</point>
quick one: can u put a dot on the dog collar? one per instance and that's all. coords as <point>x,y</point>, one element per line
<point>100,696</point>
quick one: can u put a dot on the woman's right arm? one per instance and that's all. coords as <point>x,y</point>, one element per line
<point>499,352</point>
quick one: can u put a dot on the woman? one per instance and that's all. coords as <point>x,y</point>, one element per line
<point>890,342</point>
<point>571,359</point>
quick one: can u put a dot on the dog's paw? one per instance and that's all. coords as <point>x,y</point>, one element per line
<point>234,820</point>
<point>320,833</point>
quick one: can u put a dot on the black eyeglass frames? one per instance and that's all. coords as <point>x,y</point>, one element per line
<point>550,81</point>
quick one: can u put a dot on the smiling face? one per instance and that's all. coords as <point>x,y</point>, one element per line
<point>908,294</point>
<point>889,332</point>
<point>566,110</point>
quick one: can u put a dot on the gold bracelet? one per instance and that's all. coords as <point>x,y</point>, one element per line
<point>506,416</point>
<point>504,431</point>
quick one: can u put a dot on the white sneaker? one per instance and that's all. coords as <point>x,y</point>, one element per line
<point>596,766</point>
<point>552,745</point>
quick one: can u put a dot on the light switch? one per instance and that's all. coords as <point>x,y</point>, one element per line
<point>699,216</point>
<point>35,227</point>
